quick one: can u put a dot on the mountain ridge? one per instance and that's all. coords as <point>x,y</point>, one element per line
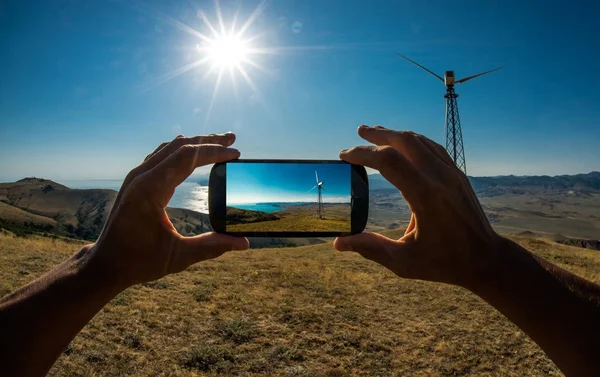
<point>494,185</point>
<point>42,205</point>
<point>564,204</point>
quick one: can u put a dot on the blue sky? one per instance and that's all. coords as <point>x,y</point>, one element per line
<point>83,91</point>
<point>273,182</point>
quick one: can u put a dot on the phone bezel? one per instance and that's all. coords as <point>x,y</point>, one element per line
<point>217,190</point>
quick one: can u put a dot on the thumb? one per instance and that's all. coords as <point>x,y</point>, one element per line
<point>206,246</point>
<point>373,246</point>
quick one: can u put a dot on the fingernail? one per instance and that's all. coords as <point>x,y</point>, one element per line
<point>344,150</point>
<point>363,126</point>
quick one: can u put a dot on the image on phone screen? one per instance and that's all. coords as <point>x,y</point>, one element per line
<point>288,197</point>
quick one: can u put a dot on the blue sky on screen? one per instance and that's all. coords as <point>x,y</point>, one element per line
<point>89,88</point>
<point>273,182</point>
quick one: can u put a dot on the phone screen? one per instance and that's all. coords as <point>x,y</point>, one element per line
<point>288,197</point>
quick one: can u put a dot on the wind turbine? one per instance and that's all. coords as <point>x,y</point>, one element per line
<point>319,187</point>
<point>454,140</point>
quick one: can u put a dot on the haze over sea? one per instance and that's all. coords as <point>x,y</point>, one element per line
<point>188,195</point>
<point>262,207</point>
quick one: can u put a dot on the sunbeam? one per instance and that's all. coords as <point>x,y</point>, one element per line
<point>208,24</point>
<point>231,49</point>
<point>252,18</point>
<point>214,95</point>
<point>221,48</point>
<point>233,83</point>
<point>170,75</point>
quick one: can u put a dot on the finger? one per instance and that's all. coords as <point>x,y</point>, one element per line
<point>412,225</point>
<point>405,142</point>
<point>167,148</point>
<point>394,167</point>
<point>161,146</point>
<point>225,140</point>
<point>171,172</point>
<point>192,250</point>
<point>373,246</point>
<point>438,150</point>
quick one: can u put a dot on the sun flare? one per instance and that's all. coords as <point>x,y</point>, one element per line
<point>227,51</point>
<point>224,48</point>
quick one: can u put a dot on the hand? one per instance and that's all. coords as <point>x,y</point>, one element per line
<point>449,238</point>
<point>138,242</point>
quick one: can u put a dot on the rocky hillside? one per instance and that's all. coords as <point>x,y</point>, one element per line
<point>243,216</point>
<point>490,186</point>
<point>43,206</point>
<point>571,184</point>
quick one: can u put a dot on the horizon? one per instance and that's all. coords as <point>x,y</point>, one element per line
<point>109,81</point>
<point>195,176</point>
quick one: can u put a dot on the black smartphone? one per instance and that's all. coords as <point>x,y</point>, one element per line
<point>288,198</point>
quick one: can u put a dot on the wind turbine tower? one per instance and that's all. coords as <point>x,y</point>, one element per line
<point>319,187</point>
<point>454,140</point>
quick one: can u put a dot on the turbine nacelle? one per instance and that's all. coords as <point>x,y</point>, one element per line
<point>319,184</point>
<point>449,79</point>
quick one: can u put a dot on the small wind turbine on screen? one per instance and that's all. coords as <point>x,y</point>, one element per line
<point>319,187</point>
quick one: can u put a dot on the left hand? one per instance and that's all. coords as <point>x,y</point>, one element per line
<point>139,243</point>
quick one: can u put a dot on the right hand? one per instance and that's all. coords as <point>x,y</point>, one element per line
<point>449,238</point>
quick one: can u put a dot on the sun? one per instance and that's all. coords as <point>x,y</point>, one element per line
<point>223,48</point>
<point>228,51</point>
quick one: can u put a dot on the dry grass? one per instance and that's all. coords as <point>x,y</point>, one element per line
<point>303,311</point>
<point>296,223</point>
<point>301,219</point>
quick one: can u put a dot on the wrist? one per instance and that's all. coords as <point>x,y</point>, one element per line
<point>96,273</point>
<point>504,258</point>
<point>494,262</point>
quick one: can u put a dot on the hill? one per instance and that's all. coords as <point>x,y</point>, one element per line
<point>290,218</point>
<point>565,205</point>
<point>304,311</point>
<point>576,184</point>
<point>244,216</point>
<point>43,206</point>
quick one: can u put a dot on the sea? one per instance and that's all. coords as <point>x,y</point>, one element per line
<point>262,207</point>
<point>188,195</point>
<point>268,207</point>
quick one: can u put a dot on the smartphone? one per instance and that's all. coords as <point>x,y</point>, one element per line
<point>288,198</point>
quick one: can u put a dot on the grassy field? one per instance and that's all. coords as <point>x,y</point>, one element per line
<point>299,218</point>
<point>304,311</point>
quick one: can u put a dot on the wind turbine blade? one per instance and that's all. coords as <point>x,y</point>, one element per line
<point>317,176</point>
<point>420,66</point>
<point>312,189</point>
<point>323,188</point>
<point>477,75</point>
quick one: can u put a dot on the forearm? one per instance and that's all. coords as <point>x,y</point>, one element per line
<point>39,320</point>
<point>557,309</point>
